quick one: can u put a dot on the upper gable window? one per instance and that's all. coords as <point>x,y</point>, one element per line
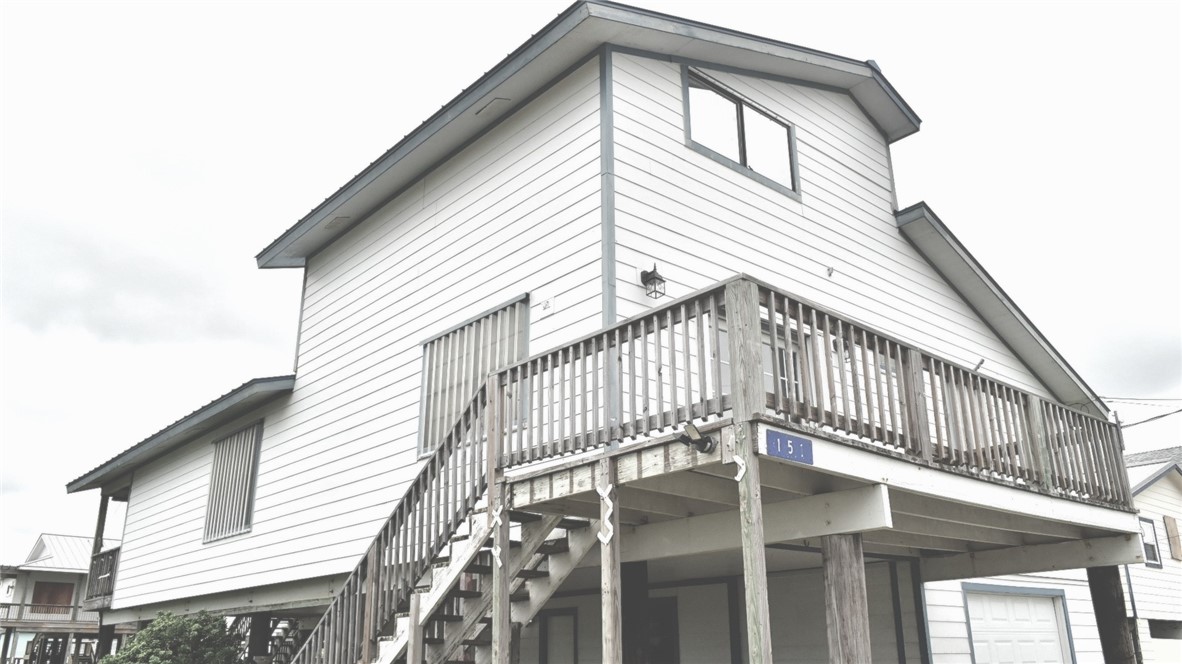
<point>737,133</point>
<point>230,508</point>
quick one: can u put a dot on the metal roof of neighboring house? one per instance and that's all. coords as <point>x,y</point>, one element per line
<point>236,402</point>
<point>564,43</point>
<point>1145,468</point>
<point>62,553</point>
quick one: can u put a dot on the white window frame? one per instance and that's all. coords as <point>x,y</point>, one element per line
<point>229,505</point>
<point>791,189</point>
<point>1153,560</point>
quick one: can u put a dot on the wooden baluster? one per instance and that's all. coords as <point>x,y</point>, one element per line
<point>827,342</point>
<point>673,401</point>
<point>583,430</point>
<point>777,379</point>
<point>645,378</point>
<point>855,380</point>
<point>658,358</point>
<point>890,375</point>
<point>632,425</point>
<point>703,397</point>
<point>716,359</point>
<point>818,375</point>
<point>687,365</point>
<point>869,371</point>
<point>941,451</point>
<point>1095,441</point>
<point>1085,442</point>
<point>596,415</point>
<point>900,382</point>
<point>989,423</point>
<point>842,356</point>
<point>806,369</point>
<point>619,414</point>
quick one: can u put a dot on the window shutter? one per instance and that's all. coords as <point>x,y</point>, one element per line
<point>230,507</point>
<point>1172,536</point>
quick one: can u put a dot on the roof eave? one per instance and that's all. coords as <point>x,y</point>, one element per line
<point>236,403</point>
<point>579,30</point>
<point>920,225</point>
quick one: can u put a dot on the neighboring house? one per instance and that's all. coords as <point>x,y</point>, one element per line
<point>628,353</point>
<point>41,611</point>
<point>983,620</point>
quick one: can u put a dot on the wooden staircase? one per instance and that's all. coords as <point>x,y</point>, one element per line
<point>449,620</point>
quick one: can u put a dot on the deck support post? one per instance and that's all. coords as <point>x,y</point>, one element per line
<point>609,561</point>
<point>8,632</point>
<point>1112,621</point>
<point>105,636</point>
<point>414,637</point>
<point>502,626</point>
<point>259,642</point>
<point>634,610</point>
<point>745,339</point>
<point>847,616</point>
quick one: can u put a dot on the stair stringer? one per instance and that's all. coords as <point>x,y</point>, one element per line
<point>560,566</point>
<point>533,536</point>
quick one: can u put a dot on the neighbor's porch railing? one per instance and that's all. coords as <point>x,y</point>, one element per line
<point>671,365</point>
<point>41,613</point>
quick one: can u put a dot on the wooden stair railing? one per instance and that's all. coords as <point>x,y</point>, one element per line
<point>442,495</point>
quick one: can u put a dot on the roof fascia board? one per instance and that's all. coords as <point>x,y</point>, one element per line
<point>178,432</point>
<point>916,219</point>
<point>1161,472</point>
<point>467,98</point>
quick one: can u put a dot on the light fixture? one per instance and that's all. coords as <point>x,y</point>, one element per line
<point>694,438</point>
<point>654,283</point>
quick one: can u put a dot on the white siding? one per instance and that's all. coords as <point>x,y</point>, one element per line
<point>1158,592</point>
<point>516,211</point>
<point>702,222</point>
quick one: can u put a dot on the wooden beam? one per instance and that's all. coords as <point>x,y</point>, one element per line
<point>609,562</point>
<point>1096,552</point>
<point>847,617</point>
<point>913,541</point>
<point>744,336</point>
<point>1112,621</point>
<point>904,502</point>
<point>856,510</point>
<point>915,525</point>
<point>694,484</point>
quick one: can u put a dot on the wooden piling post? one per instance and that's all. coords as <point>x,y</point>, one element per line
<point>609,561</point>
<point>746,341</point>
<point>1112,621</point>
<point>847,616</point>
<point>502,627</point>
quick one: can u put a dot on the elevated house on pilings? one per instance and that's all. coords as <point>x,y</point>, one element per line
<point>629,354</point>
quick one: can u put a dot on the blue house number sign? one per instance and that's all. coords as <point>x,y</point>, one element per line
<point>793,448</point>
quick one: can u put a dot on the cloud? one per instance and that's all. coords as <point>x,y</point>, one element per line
<point>59,277</point>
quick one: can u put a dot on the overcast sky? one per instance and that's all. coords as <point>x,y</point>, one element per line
<point>150,150</point>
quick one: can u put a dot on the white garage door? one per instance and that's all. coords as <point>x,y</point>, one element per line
<point>1017,628</point>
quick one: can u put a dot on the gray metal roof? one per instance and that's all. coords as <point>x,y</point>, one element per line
<point>1172,454</point>
<point>62,553</point>
<point>236,402</point>
<point>566,41</point>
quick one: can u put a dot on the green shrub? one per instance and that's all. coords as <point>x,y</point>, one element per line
<point>169,639</point>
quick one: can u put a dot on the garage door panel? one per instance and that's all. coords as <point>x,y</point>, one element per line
<point>1015,628</point>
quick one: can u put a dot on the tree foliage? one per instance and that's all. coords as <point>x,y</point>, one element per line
<point>169,639</point>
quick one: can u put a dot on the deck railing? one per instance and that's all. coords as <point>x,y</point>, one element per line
<point>657,371</point>
<point>101,581</point>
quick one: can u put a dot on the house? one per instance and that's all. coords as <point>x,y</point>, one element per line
<point>41,611</point>
<point>629,353</point>
<point>971,617</point>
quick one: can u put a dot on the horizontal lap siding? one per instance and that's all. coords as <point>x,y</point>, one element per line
<point>517,211</point>
<point>701,222</point>
<point>1158,592</point>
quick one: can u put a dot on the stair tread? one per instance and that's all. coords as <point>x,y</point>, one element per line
<point>518,516</point>
<point>533,573</point>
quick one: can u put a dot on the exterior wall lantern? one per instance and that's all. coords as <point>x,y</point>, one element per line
<point>654,283</point>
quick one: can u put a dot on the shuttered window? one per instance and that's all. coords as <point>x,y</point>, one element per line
<point>457,362</point>
<point>231,483</point>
